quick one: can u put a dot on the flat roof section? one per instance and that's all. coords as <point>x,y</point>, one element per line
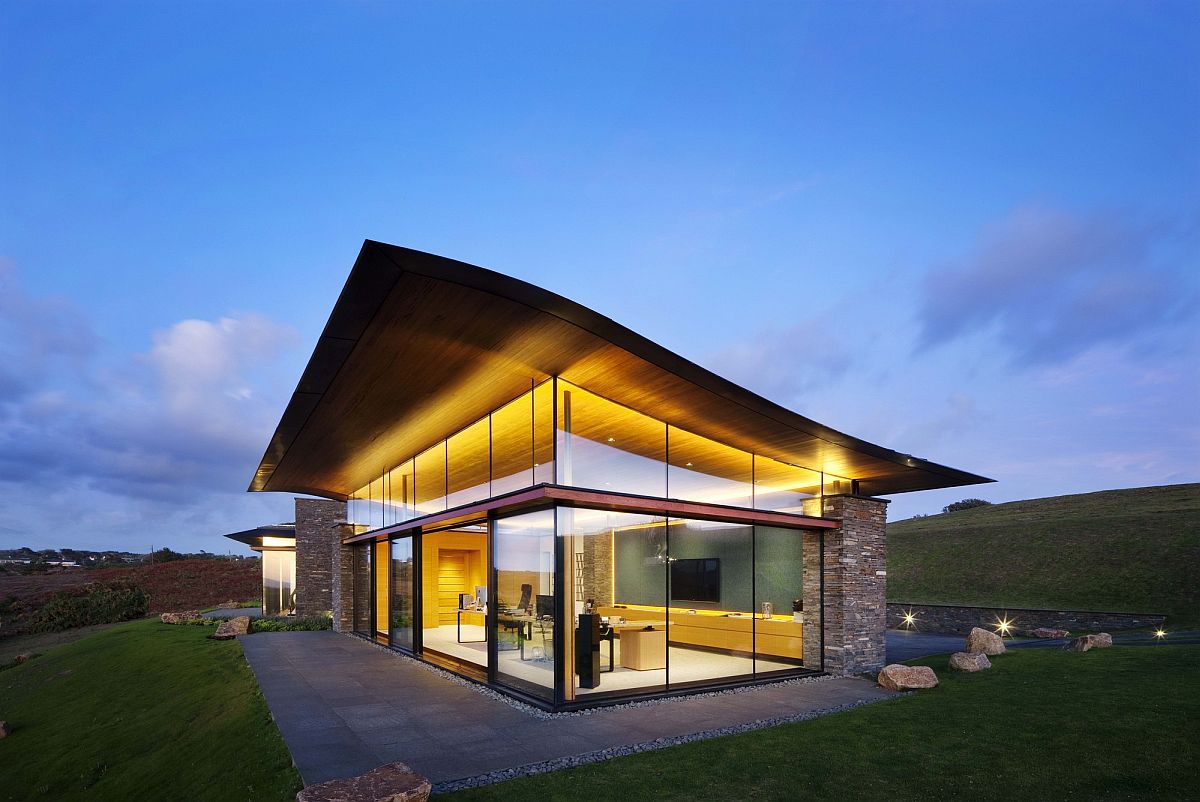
<point>419,346</point>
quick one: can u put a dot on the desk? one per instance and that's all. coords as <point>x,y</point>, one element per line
<point>482,620</point>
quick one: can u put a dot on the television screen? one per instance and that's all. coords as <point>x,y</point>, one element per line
<point>696,580</point>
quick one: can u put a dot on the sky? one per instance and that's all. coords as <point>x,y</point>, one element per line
<point>966,231</point>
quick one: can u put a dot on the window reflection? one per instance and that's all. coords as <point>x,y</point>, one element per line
<point>512,446</point>
<point>431,480</point>
<point>782,487</point>
<point>708,471</point>
<point>523,626</point>
<point>468,457</point>
<point>279,581</point>
<point>604,446</point>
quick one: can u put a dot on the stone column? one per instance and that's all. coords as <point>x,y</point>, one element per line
<point>342,580</point>
<point>855,569</point>
<point>811,594</point>
<point>317,537</point>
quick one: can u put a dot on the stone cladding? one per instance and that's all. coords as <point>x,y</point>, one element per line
<point>317,523</point>
<point>855,569</point>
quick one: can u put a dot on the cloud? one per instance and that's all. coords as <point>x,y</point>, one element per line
<point>1050,285</point>
<point>185,419</point>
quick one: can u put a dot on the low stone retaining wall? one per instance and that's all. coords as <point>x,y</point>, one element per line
<point>953,620</point>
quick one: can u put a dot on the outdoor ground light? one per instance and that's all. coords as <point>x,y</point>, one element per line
<point>1160,633</point>
<point>1004,626</point>
<point>910,620</point>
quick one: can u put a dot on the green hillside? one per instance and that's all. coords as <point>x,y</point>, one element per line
<point>1118,550</point>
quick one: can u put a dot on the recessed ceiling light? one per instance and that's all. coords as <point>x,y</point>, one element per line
<point>689,464</point>
<point>612,440</point>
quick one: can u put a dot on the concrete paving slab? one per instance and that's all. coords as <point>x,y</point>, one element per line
<point>345,707</point>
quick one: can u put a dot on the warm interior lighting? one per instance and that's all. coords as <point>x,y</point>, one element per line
<point>278,542</point>
<point>612,440</point>
<point>1004,626</point>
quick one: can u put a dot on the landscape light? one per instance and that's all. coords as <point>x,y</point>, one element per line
<point>909,618</point>
<point>1160,633</point>
<point>1003,626</point>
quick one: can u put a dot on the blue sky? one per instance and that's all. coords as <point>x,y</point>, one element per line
<point>966,231</point>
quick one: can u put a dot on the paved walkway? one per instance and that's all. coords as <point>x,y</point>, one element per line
<point>345,707</point>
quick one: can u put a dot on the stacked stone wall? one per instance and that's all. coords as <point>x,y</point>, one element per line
<point>317,526</point>
<point>855,571</point>
<point>342,580</point>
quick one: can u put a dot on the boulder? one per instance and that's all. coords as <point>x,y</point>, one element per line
<point>1101,640</point>
<point>229,605</point>
<point>969,661</point>
<point>5,730</point>
<point>1049,632</point>
<point>230,628</point>
<point>980,640</point>
<point>26,657</point>
<point>393,782</point>
<point>907,678</point>
<point>175,618</point>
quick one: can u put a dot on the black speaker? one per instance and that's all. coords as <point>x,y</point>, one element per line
<point>587,651</point>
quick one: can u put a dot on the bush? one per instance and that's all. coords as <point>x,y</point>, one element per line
<point>94,603</point>
<point>966,504</point>
<point>310,623</point>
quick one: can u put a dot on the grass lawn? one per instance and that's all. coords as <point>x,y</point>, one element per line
<point>141,711</point>
<point>1119,550</point>
<point>1120,723</point>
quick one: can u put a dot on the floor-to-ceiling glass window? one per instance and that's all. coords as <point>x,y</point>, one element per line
<point>454,592</point>
<point>403,575</point>
<point>605,446</point>
<point>380,567</point>
<point>615,605</point>
<point>712,600</point>
<point>787,577</point>
<point>705,470</point>
<point>279,581</point>
<point>523,624</point>
<point>468,460</point>
<point>360,570</point>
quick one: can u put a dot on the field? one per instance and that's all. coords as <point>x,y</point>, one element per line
<point>141,711</point>
<point>1121,723</point>
<point>1120,550</point>
<point>174,585</point>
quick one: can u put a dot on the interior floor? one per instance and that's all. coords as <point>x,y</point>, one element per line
<point>537,664</point>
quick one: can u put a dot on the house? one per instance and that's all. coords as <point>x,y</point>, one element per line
<point>529,494</point>
<point>276,546</point>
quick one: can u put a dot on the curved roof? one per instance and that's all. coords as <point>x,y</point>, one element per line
<point>419,346</point>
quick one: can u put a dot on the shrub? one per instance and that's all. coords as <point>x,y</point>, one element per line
<point>966,504</point>
<point>310,623</point>
<point>94,603</point>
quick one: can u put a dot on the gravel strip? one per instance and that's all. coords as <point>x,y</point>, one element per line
<point>633,749</point>
<point>537,712</point>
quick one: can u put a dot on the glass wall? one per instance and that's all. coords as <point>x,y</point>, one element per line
<point>403,578</point>
<point>381,568</point>
<point>523,624</point>
<point>712,600</point>
<point>615,637</point>
<point>605,446</point>
<point>791,585</point>
<point>559,433</point>
<point>468,461</point>
<point>279,581</point>
<point>781,487</point>
<point>705,470</point>
<point>360,569</point>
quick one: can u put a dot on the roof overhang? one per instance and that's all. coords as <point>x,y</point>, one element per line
<point>267,536</point>
<point>419,346</point>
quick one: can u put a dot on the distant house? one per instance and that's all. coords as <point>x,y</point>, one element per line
<point>276,544</point>
<point>529,494</point>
